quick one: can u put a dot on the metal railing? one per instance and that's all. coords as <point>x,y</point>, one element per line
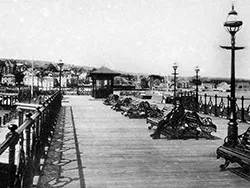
<point>27,142</point>
<point>217,105</point>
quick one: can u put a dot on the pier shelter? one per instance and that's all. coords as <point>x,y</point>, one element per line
<point>102,82</point>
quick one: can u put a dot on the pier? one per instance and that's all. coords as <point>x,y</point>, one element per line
<point>95,146</point>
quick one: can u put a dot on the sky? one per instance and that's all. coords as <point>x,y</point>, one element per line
<point>139,36</point>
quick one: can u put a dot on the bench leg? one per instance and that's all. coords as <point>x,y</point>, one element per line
<point>150,127</point>
<point>225,165</point>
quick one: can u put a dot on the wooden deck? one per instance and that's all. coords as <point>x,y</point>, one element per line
<point>116,152</point>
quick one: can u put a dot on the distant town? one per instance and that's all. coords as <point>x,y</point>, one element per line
<point>45,75</point>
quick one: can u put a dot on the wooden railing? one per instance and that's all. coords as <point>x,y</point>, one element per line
<point>27,142</point>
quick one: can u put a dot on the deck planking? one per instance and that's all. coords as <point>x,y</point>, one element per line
<point>118,152</point>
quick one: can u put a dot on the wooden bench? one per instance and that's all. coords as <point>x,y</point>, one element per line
<point>133,104</point>
<point>154,121</point>
<point>138,111</point>
<point>239,153</point>
<point>197,126</point>
<point>125,109</point>
<point>190,125</point>
<point>121,102</point>
<point>111,99</point>
<point>143,110</point>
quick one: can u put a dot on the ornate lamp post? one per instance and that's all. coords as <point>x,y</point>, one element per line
<point>77,87</point>
<point>60,75</point>
<point>232,25</point>
<point>175,74</point>
<point>197,82</point>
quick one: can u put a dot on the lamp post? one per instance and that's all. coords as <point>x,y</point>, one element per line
<point>60,75</point>
<point>197,69</point>
<point>232,25</point>
<point>175,74</point>
<point>77,87</point>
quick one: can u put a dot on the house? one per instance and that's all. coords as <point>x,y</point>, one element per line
<point>9,79</point>
<point>46,83</point>
<point>7,72</point>
<point>223,86</point>
<point>8,67</point>
<point>208,85</point>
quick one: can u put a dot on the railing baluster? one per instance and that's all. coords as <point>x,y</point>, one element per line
<point>11,167</point>
<point>216,105</point>
<point>28,171</point>
<point>228,106</point>
<point>242,110</point>
<point>205,104</point>
<point>37,146</point>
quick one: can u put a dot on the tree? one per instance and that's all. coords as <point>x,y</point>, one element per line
<point>76,72</point>
<point>51,68</point>
<point>196,82</point>
<point>19,77</point>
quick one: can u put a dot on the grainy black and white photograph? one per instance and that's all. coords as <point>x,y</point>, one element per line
<point>124,94</point>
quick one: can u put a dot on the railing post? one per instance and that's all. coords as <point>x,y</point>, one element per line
<point>11,101</point>
<point>215,105</point>
<point>28,170</point>
<point>38,150</point>
<point>27,130</point>
<point>11,167</point>
<point>228,106</point>
<point>20,117</point>
<point>205,104</point>
<point>7,118</point>
<point>200,103</point>
<point>242,109</point>
<point>4,119</point>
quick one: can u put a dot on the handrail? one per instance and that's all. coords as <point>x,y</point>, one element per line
<point>37,128</point>
<point>220,96</point>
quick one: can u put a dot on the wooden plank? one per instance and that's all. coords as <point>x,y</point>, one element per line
<point>118,152</point>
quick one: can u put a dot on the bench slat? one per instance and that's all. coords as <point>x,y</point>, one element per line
<point>239,153</point>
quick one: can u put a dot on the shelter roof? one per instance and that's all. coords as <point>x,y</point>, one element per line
<point>104,71</point>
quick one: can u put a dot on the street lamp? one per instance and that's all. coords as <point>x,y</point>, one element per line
<point>175,74</point>
<point>232,25</point>
<point>60,75</point>
<point>197,82</point>
<point>77,89</point>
